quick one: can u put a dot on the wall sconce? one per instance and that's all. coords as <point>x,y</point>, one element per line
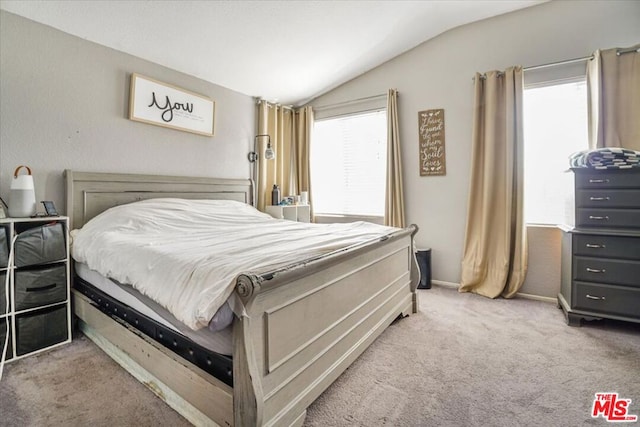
<point>254,158</point>
<point>269,154</point>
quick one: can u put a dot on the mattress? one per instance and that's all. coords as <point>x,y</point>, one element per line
<point>186,255</point>
<point>216,340</point>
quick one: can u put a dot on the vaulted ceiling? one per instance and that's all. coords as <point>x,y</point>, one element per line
<point>283,51</point>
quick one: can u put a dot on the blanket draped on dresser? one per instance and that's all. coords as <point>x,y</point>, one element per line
<point>606,158</point>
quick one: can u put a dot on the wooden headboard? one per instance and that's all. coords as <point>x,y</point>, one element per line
<point>88,194</point>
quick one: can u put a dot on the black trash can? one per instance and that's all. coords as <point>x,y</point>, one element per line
<point>423,257</point>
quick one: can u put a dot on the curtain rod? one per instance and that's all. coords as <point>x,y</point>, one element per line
<point>571,61</point>
<point>553,64</point>
<point>635,48</point>
<point>352,101</point>
<point>269,104</point>
<point>550,64</point>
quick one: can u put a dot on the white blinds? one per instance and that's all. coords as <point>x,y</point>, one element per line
<point>348,164</point>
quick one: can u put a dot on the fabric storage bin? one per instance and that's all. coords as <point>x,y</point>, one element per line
<point>40,244</point>
<point>3,335</point>
<point>42,286</point>
<point>3,299</point>
<point>40,329</point>
<point>4,246</point>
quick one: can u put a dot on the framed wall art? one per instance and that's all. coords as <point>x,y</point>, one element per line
<point>431,140</point>
<point>161,104</point>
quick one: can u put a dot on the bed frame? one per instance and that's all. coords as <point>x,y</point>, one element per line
<point>301,328</point>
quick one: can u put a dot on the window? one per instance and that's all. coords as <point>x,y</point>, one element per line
<point>348,164</point>
<point>555,126</point>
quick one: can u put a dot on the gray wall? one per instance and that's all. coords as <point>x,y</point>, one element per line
<point>438,74</point>
<point>64,105</point>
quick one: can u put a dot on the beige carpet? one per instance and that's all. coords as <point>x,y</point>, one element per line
<point>464,360</point>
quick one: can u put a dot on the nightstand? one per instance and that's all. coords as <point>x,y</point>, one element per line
<point>300,213</point>
<point>38,316</point>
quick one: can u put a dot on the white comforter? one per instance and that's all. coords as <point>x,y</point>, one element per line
<point>186,254</point>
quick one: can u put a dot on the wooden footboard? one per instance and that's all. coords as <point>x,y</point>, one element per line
<point>305,325</point>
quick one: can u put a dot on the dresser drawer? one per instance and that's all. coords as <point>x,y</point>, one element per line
<point>601,270</point>
<point>607,246</point>
<point>607,179</point>
<point>608,198</point>
<point>606,299</point>
<point>608,218</point>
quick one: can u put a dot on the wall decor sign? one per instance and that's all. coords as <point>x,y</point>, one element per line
<point>157,103</point>
<point>431,140</point>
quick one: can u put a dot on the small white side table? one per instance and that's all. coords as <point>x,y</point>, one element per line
<point>300,213</point>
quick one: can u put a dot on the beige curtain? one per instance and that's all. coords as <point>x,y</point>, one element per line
<point>290,133</point>
<point>394,194</point>
<point>613,82</point>
<point>304,127</point>
<point>495,250</point>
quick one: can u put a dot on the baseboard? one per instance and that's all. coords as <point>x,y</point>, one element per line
<point>519,294</point>
<point>538,298</point>
<point>446,284</point>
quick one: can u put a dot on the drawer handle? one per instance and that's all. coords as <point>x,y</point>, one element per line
<point>598,181</point>
<point>41,289</point>
<point>599,218</point>
<point>599,199</point>
<point>593,270</point>
<point>595,297</point>
<point>595,246</point>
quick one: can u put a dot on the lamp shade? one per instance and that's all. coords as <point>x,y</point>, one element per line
<point>269,154</point>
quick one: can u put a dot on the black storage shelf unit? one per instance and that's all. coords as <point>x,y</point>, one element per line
<point>36,280</point>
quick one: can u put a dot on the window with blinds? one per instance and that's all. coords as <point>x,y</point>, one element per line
<point>348,164</point>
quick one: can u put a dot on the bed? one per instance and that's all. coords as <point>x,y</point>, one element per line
<point>344,300</point>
